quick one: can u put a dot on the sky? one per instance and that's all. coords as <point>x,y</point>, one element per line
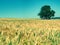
<point>26,8</point>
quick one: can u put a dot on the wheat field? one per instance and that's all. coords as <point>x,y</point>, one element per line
<point>29,32</point>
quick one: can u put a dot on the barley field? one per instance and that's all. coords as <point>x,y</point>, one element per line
<point>29,32</point>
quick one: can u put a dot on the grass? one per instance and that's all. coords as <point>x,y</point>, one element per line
<point>29,32</point>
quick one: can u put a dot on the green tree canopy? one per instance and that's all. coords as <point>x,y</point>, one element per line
<point>46,12</point>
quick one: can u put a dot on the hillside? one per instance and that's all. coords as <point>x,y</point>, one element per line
<point>29,32</point>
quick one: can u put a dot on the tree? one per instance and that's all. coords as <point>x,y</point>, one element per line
<point>46,12</point>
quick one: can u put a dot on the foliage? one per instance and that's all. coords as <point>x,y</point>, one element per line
<point>46,12</point>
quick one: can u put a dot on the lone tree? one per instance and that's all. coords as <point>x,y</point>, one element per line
<point>46,12</point>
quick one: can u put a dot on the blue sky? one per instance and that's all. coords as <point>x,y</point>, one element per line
<point>26,8</point>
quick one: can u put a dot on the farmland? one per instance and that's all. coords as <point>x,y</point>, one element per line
<point>29,32</point>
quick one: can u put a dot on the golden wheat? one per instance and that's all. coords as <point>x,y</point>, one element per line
<point>29,32</point>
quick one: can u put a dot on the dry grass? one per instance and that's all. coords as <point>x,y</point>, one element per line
<point>29,32</point>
